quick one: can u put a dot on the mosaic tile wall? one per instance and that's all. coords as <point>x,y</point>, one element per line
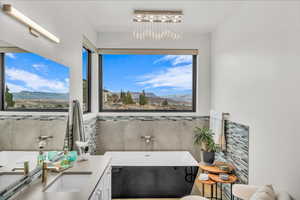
<point>91,133</point>
<point>237,137</point>
<point>152,118</point>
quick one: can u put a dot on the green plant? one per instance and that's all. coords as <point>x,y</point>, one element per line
<point>165,103</point>
<point>204,138</point>
<point>143,99</point>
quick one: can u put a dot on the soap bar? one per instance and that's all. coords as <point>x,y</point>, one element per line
<point>203,177</point>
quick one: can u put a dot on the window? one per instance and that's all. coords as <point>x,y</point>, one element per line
<point>86,79</point>
<point>144,82</point>
<point>32,83</point>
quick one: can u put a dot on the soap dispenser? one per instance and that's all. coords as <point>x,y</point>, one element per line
<point>65,163</point>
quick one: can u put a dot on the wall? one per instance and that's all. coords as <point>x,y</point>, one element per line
<point>255,77</point>
<point>123,133</point>
<point>16,127</point>
<point>190,41</point>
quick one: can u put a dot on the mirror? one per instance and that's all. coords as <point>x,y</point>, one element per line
<point>34,100</point>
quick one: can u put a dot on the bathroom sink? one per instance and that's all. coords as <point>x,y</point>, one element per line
<point>69,183</point>
<point>8,178</point>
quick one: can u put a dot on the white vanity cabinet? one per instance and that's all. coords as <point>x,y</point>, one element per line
<point>103,188</point>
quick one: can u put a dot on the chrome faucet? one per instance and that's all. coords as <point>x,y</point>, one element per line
<point>147,138</point>
<point>42,141</point>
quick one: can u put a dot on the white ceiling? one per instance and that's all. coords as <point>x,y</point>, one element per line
<point>199,16</point>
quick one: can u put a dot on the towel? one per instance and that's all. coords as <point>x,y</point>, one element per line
<point>216,124</point>
<point>75,130</point>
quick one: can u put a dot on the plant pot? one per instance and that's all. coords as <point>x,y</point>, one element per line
<point>208,157</point>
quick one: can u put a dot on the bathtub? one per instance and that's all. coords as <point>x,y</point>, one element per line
<point>157,174</point>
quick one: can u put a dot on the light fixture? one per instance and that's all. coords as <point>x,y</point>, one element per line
<point>34,28</point>
<point>157,24</point>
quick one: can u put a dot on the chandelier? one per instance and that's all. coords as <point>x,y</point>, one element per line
<point>157,24</point>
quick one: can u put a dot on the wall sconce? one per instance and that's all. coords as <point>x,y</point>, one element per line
<point>34,28</point>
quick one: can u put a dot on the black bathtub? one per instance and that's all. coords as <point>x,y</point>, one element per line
<point>152,174</point>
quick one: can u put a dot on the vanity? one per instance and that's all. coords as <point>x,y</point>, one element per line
<point>89,179</point>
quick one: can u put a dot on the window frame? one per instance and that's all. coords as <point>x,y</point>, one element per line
<point>89,81</point>
<point>194,91</point>
<point>2,89</point>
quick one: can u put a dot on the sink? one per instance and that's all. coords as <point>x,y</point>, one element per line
<point>8,178</point>
<point>69,183</point>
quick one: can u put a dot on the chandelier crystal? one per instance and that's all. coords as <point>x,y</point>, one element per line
<point>157,25</point>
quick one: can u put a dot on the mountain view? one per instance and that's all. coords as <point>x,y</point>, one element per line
<point>147,82</point>
<point>35,82</point>
<point>145,101</point>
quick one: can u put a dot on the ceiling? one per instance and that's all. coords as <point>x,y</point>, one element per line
<point>199,16</point>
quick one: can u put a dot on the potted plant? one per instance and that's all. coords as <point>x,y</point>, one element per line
<point>204,138</point>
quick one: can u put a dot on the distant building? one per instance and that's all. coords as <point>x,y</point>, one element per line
<point>106,93</point>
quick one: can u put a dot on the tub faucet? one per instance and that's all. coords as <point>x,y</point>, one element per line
<point>147,138</point>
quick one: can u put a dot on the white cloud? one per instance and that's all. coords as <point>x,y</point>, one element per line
<point>176,59</point>
<point>11,55</point>
<point>179,78</point>
<point>39,67</point>
<point>35,82</point>
<point>16,88</point>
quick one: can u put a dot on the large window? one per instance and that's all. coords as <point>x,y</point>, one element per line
<point>147,82</point>
<point>86,78</point>
<point>31,82</point>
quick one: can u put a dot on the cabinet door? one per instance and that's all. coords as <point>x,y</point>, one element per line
<point>103,188</point>
<point>109,183</point>
<point>98,193</point>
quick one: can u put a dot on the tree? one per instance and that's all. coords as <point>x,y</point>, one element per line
<point>128,98</point>
<point>123,97</point>
<point>165,102</point>
<point>9,98</point>
<point>114,98</point>
<point>143,99</point>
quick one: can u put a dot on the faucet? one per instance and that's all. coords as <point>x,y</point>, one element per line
<point>45,169</point>
<point>42,141</point>
<point>147,138</point>
<point>25,168</point>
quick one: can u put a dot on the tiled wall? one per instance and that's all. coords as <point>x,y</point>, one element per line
<point>123,133</point>
<point>20,132</point>
<point>237,137</point>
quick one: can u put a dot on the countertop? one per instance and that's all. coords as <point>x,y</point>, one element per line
<point>95,165</point>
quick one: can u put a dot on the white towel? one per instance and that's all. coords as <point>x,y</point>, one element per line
<point>216,124</point>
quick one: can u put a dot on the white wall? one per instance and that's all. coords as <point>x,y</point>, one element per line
<point>63,21</point>
<point>190,41</point>
<point>256,78</point>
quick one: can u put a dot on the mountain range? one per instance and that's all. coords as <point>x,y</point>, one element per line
<point>40,95</point>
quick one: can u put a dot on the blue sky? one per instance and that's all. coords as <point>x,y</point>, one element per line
<point>31,72</point>
<point>84,63</point>
<point>160,74</point>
